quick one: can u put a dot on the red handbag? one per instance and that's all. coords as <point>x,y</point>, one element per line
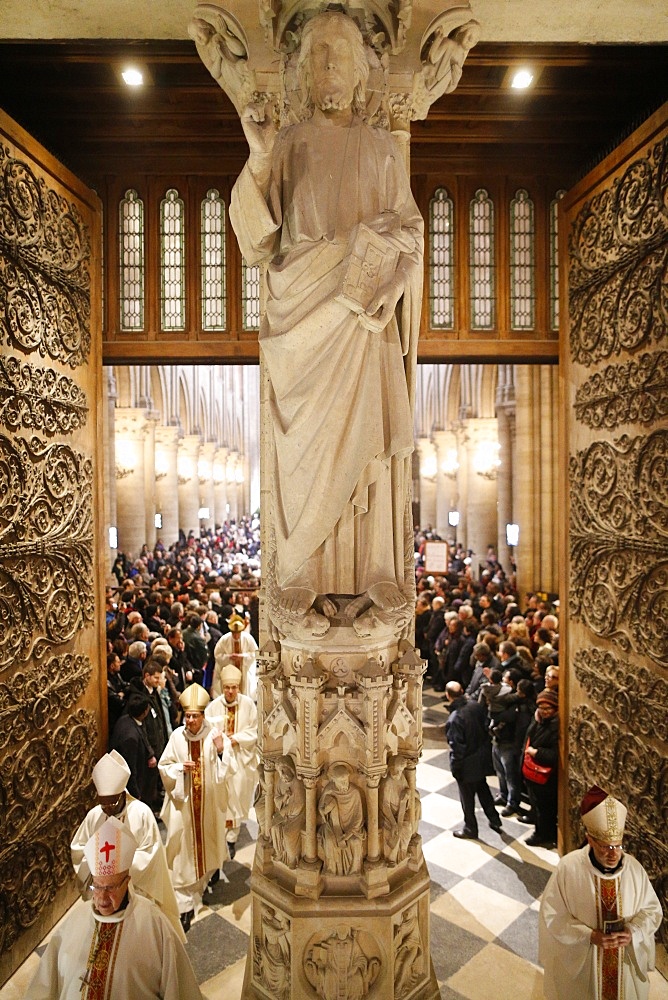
<point>532,771</point>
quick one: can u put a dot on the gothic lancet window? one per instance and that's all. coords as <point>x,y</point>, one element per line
<point>554,260</point>
<point>212,257</point>
<point>172,262</point>
<point>250,296</point>
<point>522,262</point>
<point>131,261</point>
<point>441,261</point>
<point>482,261</point>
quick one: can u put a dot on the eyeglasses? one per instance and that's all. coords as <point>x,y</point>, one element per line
<point>109,888</point>
<point>609,847</point>
<point>192,715</point>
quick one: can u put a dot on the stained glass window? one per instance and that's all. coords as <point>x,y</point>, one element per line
<point>131,261</point>
<point>250,296</point>
<point>481,261</point>
<point>554,260</point>
<point>522,262</point>
<point>441,261</point>
<point>212,242</point>
<point>172,262</point>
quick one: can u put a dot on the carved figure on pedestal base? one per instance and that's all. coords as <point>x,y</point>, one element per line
<point>342,834</point>
<point>288,821</point>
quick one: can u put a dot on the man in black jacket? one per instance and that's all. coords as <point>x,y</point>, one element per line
<point>470,758</point>
<point>130,740</point>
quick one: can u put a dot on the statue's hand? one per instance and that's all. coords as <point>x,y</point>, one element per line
<point>259,128</point>
<point>381,308</point>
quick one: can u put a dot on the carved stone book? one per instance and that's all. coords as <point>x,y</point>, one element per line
<point>371,264</point>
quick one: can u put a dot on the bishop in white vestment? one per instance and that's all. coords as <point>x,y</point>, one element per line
<point>598,915</point>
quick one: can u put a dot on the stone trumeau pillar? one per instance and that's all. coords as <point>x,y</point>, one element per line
<point>340,888</point>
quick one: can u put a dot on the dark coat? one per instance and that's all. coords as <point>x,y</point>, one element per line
<point>130,741</point>
<point>470,745</point>
<point>155,724</point>
<point>544,736</point>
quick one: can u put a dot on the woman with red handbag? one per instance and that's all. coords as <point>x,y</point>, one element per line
<point>541,754</point>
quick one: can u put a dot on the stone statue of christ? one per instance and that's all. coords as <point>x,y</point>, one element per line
<point>340,378</point>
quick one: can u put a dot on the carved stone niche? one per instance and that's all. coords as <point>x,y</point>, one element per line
<point>415,53</point>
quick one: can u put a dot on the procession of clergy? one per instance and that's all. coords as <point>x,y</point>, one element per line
<point>598,915</point>
<point>127,941</point>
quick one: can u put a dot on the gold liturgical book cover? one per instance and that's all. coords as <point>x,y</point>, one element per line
<point>371,264</point>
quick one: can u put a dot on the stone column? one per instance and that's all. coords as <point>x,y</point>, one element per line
<point>109,472</point>
<point>232,491</point>
<point>428,470</point>
<point>206,487</point>
<point>166,482</point>
<point>335,886</point>
<point>150,534</point>
<point>446,479</point>
<point>220,484</point>
<point>482,460</point>
<point>188,483</point>
<point>130,479</point>
<point>505,415</point>
<point>535,475</point>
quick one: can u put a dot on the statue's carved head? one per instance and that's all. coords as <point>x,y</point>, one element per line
<point>333,68</point>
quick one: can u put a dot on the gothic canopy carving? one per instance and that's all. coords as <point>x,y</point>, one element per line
<point>415,51</point>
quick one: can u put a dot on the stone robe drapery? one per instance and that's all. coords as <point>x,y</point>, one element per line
<point>242,781</point>
<point>341,834</point>
<point>138,955</point>
<point>340,395</point>
<point>194,808</point>
<point>150,875</point>
<point>569,912</point>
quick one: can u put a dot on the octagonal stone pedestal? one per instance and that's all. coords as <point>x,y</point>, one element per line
<point>340,947</point>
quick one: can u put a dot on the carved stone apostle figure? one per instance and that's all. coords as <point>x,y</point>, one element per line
<point>445,60</point>
<point>288,822</point>
<point>326,205</point>
<point>273,952</point>
<point>395,811</point>
<point>337,966</point>
<point>409,952</point>
<point>341,834</point>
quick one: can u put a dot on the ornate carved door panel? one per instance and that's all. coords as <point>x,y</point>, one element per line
<point>614,386</point>
<point>52,690</point>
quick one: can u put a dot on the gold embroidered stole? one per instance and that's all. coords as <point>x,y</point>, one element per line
<point>610,959</point>
<point>237,656</point>
<point>196,805</point>
<point>230,719</point>
<point>99,975</point>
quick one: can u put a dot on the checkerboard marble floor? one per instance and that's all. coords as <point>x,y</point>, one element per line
<point>484,900</point>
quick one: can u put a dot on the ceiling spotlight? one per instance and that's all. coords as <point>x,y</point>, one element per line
<point>133,77</point>
<point>522,79</point>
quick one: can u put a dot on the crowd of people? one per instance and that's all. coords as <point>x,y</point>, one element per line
<point>498,668</point>
<point>182,645</point>
<point>182,629</point>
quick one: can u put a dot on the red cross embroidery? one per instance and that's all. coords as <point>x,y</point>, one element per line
<point>106,849</point>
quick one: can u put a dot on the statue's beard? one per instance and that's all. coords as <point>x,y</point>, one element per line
<point>333,102</point>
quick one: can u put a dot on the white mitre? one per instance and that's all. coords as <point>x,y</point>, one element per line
<point>605,822</point>
<point>111,849</point>
<point>110,774</point>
